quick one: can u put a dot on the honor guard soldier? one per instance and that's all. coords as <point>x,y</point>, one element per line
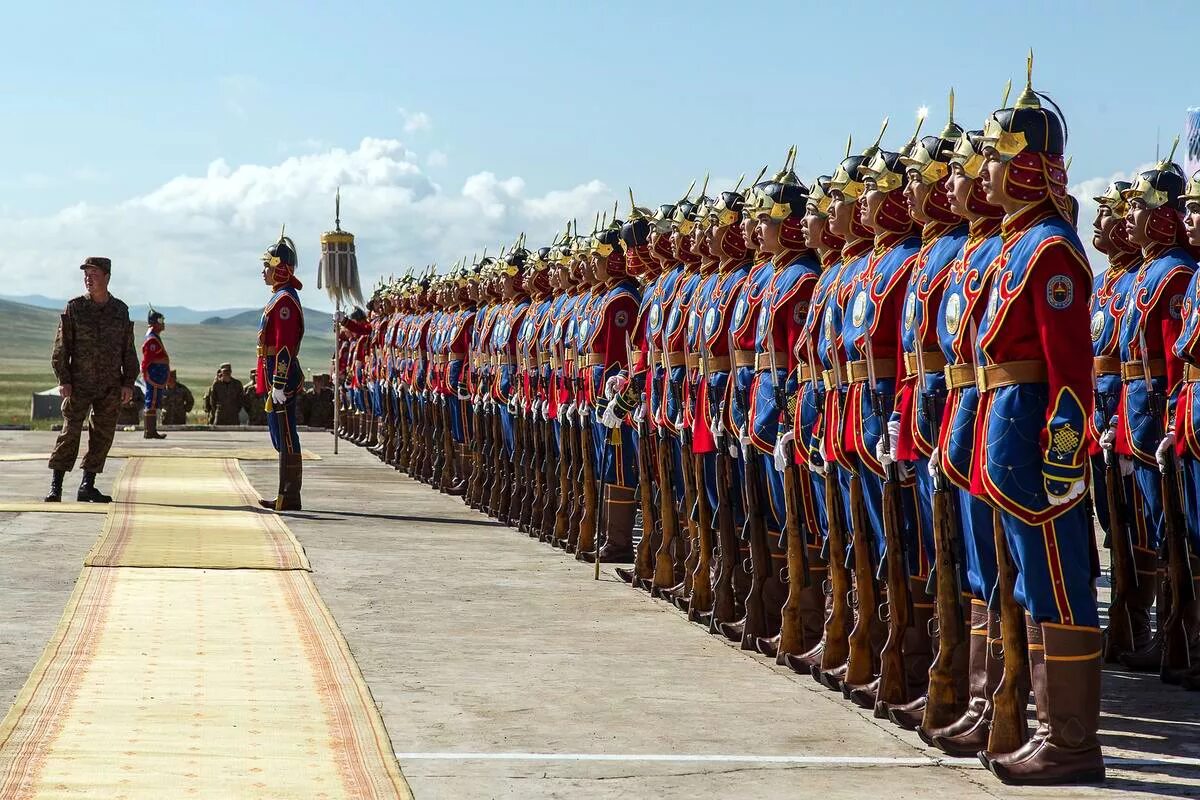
<point>1179,620</point>
<point>279,375</point>
<point>958,318</point>
<point>1034,375</point>
<point>156,371</point>
<point>1146,339</point>
<point>1128,630</point>
<point>96,367</point>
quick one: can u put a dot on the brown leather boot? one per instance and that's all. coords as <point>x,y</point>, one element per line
<point>618,514</point>
<point>1131,632</point>
<point>291,470</point>
<point>967,735</point>
<point>150,427</point>
<point>1037,676</point>
<point>1148,657</point>
<point>919,646</point>
<point>1065,750</point>
<point>803,663</point>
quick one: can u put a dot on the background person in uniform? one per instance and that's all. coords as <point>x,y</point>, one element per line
<point>254,403</point>
<point>96,366</point>
<point>178,402</point>
<point>223,400</point>
<point>318,403</point>
<point>156,369</point>
<point>131,413</point>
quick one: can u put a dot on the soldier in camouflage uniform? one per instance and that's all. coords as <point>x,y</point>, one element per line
<point>178,402</point>
<point>317,403</point>
<point>223,400</point>
<point>254,403</point>
<point>131,413</point>
<point>96,366</point>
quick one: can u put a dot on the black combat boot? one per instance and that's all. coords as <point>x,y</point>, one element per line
<point>88,493</point>
<point>150,428</point>
<point>56,479</point>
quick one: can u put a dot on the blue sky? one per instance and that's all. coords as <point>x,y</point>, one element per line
<point>178,136</point>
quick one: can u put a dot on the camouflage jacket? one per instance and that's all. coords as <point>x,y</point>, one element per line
<point>93,349</point>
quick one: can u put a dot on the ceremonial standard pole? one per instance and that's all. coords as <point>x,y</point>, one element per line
<point>338,276</point>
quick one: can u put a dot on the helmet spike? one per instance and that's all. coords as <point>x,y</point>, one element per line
<point>1067,166</point>
<point>882,130</point>
<point>761,172</point>
<point>849,144</point>
<point>1028,98</point>
<point>688,193</point>
<point>632,204</point>
<point>1007,91</point>
<point>1171,155</point>
<point>791,159</point>
<point>738,185</point>
<point>704,188</point>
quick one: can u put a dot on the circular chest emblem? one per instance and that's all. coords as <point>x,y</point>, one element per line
<point>285,313</point>
<point>673,320</point>
<point>993,303</point>
<point>1176,306</point>
<point>558,329</point>
<point>710,322</point>
<point>910,310</point>
<point>859,314</point>
<point>953,313</point>
<point>584,327</point>
<point>1097,326</point>
<point>655,316</point>
<point>799,312</point>
<point>761,327</point>
<point>621,319</point>
<point>829,323</point>
<point>739,312</point>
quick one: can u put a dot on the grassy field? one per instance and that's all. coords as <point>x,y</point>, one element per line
<point>27,334</point>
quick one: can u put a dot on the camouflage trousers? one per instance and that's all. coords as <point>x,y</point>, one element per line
<point>103,406</point>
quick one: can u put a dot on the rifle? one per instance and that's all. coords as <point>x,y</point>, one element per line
<point>586,540</point>
<point>566,465</point>
<point>893,678</point>
<point>1119,637</point>
<point>700,602</point>
<point>534,465</point>
<point>761,564</point>
<point>687,559</point>
<point>664,563</point>
<point>726,606</point>
<point>643,562</point>
<point>944,699</point>
<point>1176,655</point>
<point>791,615</point>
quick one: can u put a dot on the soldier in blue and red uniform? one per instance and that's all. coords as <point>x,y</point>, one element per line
<point>1184,443</point>
<point>279,375</point>
<point>156,370</point>
<point>961,311</point>
<point>1034,375</point>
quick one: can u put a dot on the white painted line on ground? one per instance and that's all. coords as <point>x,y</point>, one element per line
<point>917,761</point>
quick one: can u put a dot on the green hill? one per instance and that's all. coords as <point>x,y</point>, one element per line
<point>27,334</point>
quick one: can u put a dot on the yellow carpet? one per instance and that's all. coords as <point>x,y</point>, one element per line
<point>150,451</point>
<point>189,512</point>
<point>194,683</point>
<point>53,508</point>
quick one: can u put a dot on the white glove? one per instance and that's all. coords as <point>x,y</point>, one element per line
<point>463,393</point>
<point>744,438</point>
<point>544,408</point>
<point>609,418</point>
<point>614,386</point>
<point>566,411</point>
<point>817,466</point>
<point>934,466</point>
<point>639,413</point>
<point>893,432</point>
<point>278,398</point>
<point>584,411</point>
<point>781,450</point>
<point>1125,464</point>
<point>1107,441</point>
<point>513,405</point>
<point>1076,490</point>
<point>1164,452</point>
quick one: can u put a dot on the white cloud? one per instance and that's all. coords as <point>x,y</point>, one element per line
<point>415,120</point>
<point>196,239</point>
<point>436,158</point>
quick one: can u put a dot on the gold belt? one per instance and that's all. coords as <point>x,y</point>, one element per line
<point>593,360</point>
<point>543,360</point>
<point>674,359</point>
<point>959,376</point>
<point>934,361</point>
<point>1009,373</point>
<point>1106,365</point>
<point>1135,371</point>
<point>554,362</point>
<point>857,372</point>
<point>743,358</point>
<point>1191,374</point>
<point>692,360</point>
<point>714,364</point>
<point>454,355</point>
<point>266,351</point>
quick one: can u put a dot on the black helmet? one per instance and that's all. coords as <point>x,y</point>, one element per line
<point>155,317</point>
<point>1026,127</point>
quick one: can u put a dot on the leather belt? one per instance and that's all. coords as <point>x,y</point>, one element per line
<point>959,376</point>
<point>829,379</point>
<point>554,362</point>
<point>1191,374</point>
<point>692,361</point>
<point>856,371</point>
<point>543,360</point>
<point>934,361</point>
<point>803,373</point>
<point>1106,365</point>
<point>714,364</point>
<point>674,360</point>
<point>440,358</point>
<point>593,360</point>
<point>1135,371</point>
<point>266,351</point>
<point>743,358</point>
<point>762,361</point>
<point>1009,373</point>
<point>503,361</point>
<point>454,355</point>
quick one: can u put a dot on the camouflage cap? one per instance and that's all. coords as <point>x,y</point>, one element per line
<point>99,262</point>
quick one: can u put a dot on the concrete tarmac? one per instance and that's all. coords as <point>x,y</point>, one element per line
<point>503,670</point>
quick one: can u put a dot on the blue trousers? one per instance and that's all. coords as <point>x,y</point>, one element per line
<point>156,385</point>
<point>1054,572</point>
<point>281,423</point>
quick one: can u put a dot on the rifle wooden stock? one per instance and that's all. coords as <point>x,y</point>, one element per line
<point>760,557</point>
<point>725,599</point>
<point>791,615</point>
<point>861,661</point>
<point>504,467</point>
<point>496,467</point>
<point>566,462</point>
<point>664,563</point>
<point>701,601</point>
<point>944,703</point>
<point>1176,655</point>
<point>1009,730</point>
<point>643,562</point>
<point>587,522</point>
<point>840,621</point>
<point>519,483</point>
<point>893,677</point>
<point>550,482</point>
<point>447,444</point>
<point>689,514</point>
<point>1119,638</point>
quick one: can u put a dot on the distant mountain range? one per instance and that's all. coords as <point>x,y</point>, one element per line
<point>182,315</point>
